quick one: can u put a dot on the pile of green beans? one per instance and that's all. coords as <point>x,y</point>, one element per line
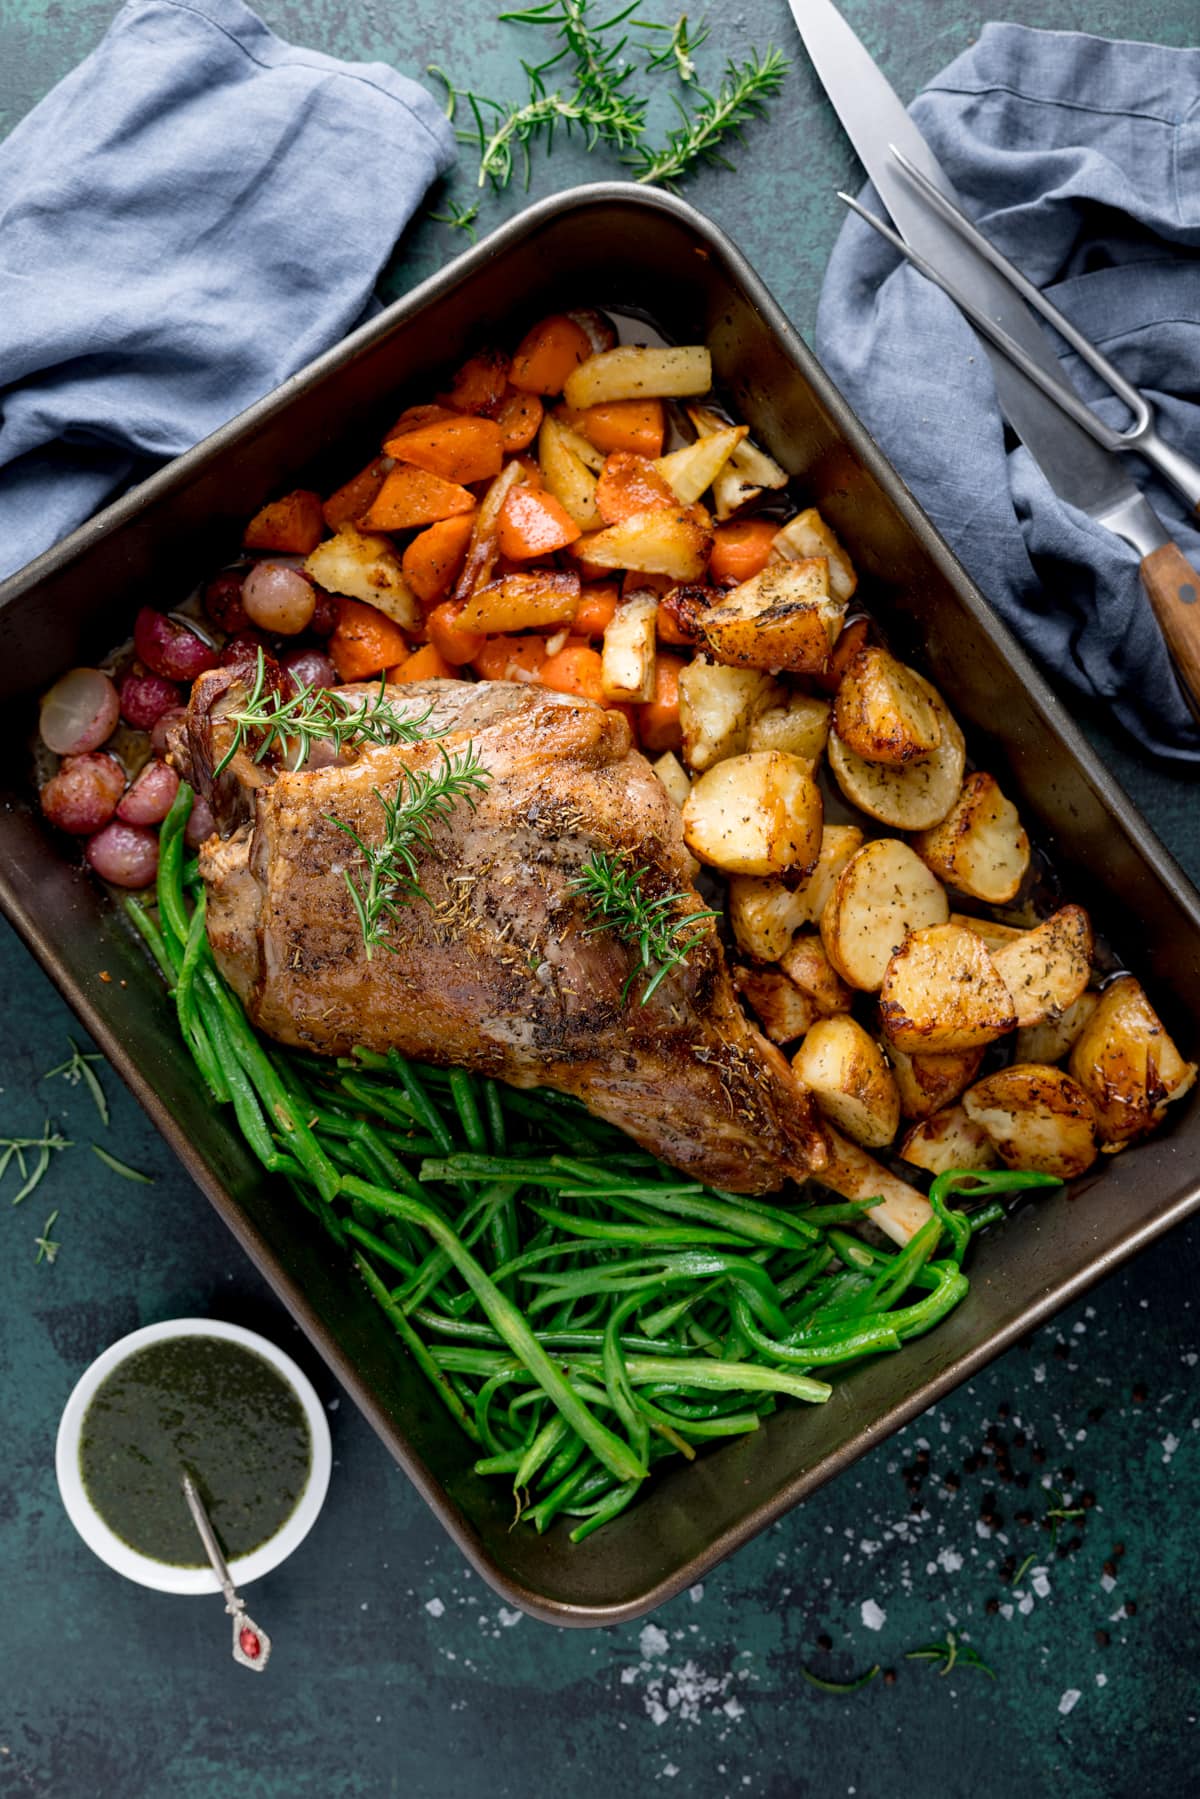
<point>581,1309</point>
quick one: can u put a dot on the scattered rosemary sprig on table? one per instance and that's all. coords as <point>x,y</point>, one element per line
<point>840,1686</point>
<point>660,938</point>
<point>16,1147</point>
<point>459,218</point>
<point>122,1168</point>
<point>951,1653</point>
<point>422,800</point>
<point>315,715</point>
<point>701,135</point>
<point>680,53</point>
<point>47,1249</point>
<point>78,1067</point>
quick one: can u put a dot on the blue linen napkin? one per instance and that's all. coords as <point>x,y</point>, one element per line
<point>1080,158</point>
<point>187,219</point>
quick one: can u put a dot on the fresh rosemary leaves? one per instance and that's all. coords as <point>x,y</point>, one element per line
<point>315,715</point>
<point>389,879</point>
<point>585,85</point>
<point>16,1148</point>
<point>660,938</point>
<point>78,1067</point>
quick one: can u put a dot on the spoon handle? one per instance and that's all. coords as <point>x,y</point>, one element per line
<point>251,1646</point>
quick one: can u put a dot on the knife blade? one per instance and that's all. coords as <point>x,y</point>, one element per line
<point>1081,472</point>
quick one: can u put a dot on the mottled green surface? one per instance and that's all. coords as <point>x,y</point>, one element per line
<point>395,1669</point>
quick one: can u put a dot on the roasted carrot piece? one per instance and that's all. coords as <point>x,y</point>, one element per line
<point>597,604</point>
<point>449,638</point>
<point>293,525</point>
<point>630,484</point>
<point>364,641</point>
<point>457,449</point>
<point>575,669</point>
<point>348,504</point>
<point>546,355</point>
<point>668,629</point>
<point>519,417</point>
<point>510,658</point>
<point>635,425</point>
<point>415,418</point>
<point>533,523</point>
<point>434,557</point>
<point>658,720</point>
<point>742,548</point>
<point>478,386</point>
<point>412,496</point>
<point>425,664</point>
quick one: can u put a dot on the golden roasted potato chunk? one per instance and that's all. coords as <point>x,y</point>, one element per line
<point>911,798</point>
<point>766,914</point>
<point>1050,1041</point>
<point>1127,1064</point>
<point>673,775</point>
<point>782,1011</point>
<point>854,1174</point>
<point>979,848</point>
<point>630,653</point>
<point>928,1082</point>
<point>947,1140</point>
<point>1047,968</point>
<point>883,892</point>
<point>848,1076</point>
<point>883,711</point>
<point>808,535</point>
<point>941,991</point>
<point>755,814</point>
<point>806,963</point>
<point>783,617</point>
<point>989,930</point>
<point>800,725</point>
<point>716,708</point>
<point>1037,1117</point>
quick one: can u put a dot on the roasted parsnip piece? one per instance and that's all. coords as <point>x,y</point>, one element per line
<point>755,814</point>
<point>850,1079</point>
<point>979,848</point>
<point>670,540</point>
<point>942,992</point>
<point>365,567</point>
<point>1037,1117</point>
<point>691,471</point>
<point>631,372</point>
<point>567,475</point>
<point>630,650</point>
<point>808,535</point>
<point>883,711</point>
<point>883,892</point>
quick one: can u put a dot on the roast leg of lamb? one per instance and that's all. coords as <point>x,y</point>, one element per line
<point>496,966</point>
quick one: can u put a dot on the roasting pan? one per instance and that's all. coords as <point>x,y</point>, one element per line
<point>649,255</point>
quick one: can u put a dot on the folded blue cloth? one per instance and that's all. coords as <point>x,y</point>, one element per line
<point>193,214</point>
<point>1080,159</point>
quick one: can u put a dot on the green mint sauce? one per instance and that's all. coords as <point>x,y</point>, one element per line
<point>214,1408</point>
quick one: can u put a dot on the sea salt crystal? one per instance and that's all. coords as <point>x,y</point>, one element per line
<point>1069,1700</point>
<point>873,1616</point>
<point>1102,1680</point>
<point>507,1618</point>
<point>1039,1372</point>
<point>950,1560</point>
<point>1107,1582</point>
<point>1025,1604</point>
<point>652,1642</point>
<point>696,1593</point>
<point>434,1607</point>
<point>1170,1445</point>
<point>1041,1583</point>
<point>670,1771</point>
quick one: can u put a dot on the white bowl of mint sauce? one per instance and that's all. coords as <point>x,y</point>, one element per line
<point>213,1397</point>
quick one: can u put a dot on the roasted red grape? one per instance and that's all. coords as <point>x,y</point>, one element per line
<point>200,824</point>
<point>278,598</point>
<point>79,712</point>
<point>243,648</point>
<point>163,725</point>
<point>169,648</point>
<point>306,668</point>
<point>126,855</point>
<point>83,795</point>
<point>149,798</point>
<point>223,601</point>
<point>145,697</point>
<point>326,612</point>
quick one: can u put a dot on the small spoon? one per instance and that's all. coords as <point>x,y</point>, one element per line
<point>251,1646</point>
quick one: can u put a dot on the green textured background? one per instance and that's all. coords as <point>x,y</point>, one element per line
<point>396,1670</point>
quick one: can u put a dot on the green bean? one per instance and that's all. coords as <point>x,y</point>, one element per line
<point>169,886</point>
<point>468,1228</point>
<point>855,1340</point>
<point>151,936</point>
<point>385,1251</point>
<point>605,1510</point>
<point>423,1107</point>
<point>493,1105</point>
<point>550,1438</point>
<point>416,1348</point>
<point>462,1092</point>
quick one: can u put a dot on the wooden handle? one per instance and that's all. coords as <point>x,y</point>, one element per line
<point>1173,589</point>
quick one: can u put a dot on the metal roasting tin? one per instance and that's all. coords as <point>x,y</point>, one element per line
<point>647,254</point>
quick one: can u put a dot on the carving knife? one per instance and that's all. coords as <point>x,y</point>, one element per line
<point>1081,472</point>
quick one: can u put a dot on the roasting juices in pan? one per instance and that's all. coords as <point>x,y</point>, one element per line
<point>575,869</point>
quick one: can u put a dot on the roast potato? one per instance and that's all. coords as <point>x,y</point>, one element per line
<point>1127,1064</point>
<point>1047,968</point>
<point>669,540</point>
<point>364,566</point>
<point>799,724</point>
<point>631,372</point>
<point>911,798</point>
<point>808,535</point>
<point>848,1076</point>
<point>883,892</point>
<point>979,848</point>
<point>782,1011</point>
<point>630,653</point>
<point>926,1083</point>
<point>806,963</point>
<point>990,931</point>
<point>716,708</point>
<point>883,711</point>
<point>941,991</point>
<point>673,775</point>
<point>1037,1117</point>
<point>947,1140</point>
<point>691,471</point>
<point>854,1174</point>
<point>1050,1041</point>
<point>783,617</point>
<point>766,914</point>
<point>755,814</point>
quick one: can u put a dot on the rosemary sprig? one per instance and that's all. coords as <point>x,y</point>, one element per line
<point>1023,1569</point>
<point>10,1147</point>
<point>700,136</point>
<point>595,60</point>
<point>316,715</point>
<point>47,1249</point>
<point>679,54</point>
<point>661,939</point>
<point>1057,1515</point>
<point>458,217</point>
<point>422,800</point>
<point>952,1654</point>
<point>122,1168</point>
<point>78,1067</point>
<point>840,1686</point>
